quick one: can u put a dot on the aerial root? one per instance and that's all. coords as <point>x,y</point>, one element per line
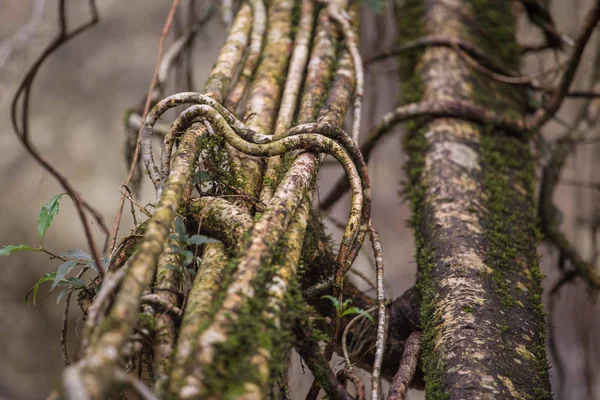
<point>318,137</point>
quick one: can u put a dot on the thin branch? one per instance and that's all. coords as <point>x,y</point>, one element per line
<point>535,48</point>
<point>478,59</point>
<point>344,374</point>
<point>407,368</point>
<point>447,41</point>
<point>509,79</point>
<point>381,315</point>
<point>65,323</point>
<point>309,350</point>
<point>428,109</point>
<point>109,285</point>
<point>549,214</point>
<point>161,44</point>
<point>22,97</point>
<point>183,42</point>
<point>63,331</point>
<point>539,15</point>
<point>544,114</point>
<point>345,353</point>
<point>343,19</point>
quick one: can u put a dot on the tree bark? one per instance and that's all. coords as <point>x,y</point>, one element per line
<point>472,190</point>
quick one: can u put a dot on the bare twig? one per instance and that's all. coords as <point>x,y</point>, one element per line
<point>478,59</point>
<point>22,96</point>
<point>344,374</point>
<point>543,115</point>
<point>345,353</point>
<point>431,109</point>
<point>183,42</point>
<point>407,368</point>
<point>65,323</point>
<point>161,44</point>
<point>63,331</point>
<point>109,285</point>
<point>309,350</point>
<point>549,215</point>
<point>381,315</point>
<point>539,15</point>
<point>447,41</point>
<point>512,80</point>
<point>135,123</point>
<point>343,19</point>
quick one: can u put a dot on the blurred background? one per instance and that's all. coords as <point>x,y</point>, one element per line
<point>78,107</point>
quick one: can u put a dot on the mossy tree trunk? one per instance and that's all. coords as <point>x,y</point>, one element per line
<point>472,190</point>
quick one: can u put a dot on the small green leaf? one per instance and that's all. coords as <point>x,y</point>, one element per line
<point>76,254</point>
<point>201,176</point>
<point>201,239</point>
<point>62,270</point>
<point>171,267</point>
<point>62,294</point>
<point>11,248</point>
<point>47,213</point>
<point>92,264</point>
<point>46,278</point>
<point>73,282</point>
<point>188,257</point>
<point>334,301</point>
<point>346,304</point>
<point>356,310</point>
<point>180,230</point>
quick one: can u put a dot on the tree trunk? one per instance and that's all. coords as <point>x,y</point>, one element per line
<point>472,191</point>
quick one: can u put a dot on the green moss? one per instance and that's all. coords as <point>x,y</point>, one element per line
<point>494,30</point>
<point>295,20</point>
<point>512,233</point>
<point>251,330</point>
<point>146,321</point>
<point>410,28</point>
<point>217,165</point>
